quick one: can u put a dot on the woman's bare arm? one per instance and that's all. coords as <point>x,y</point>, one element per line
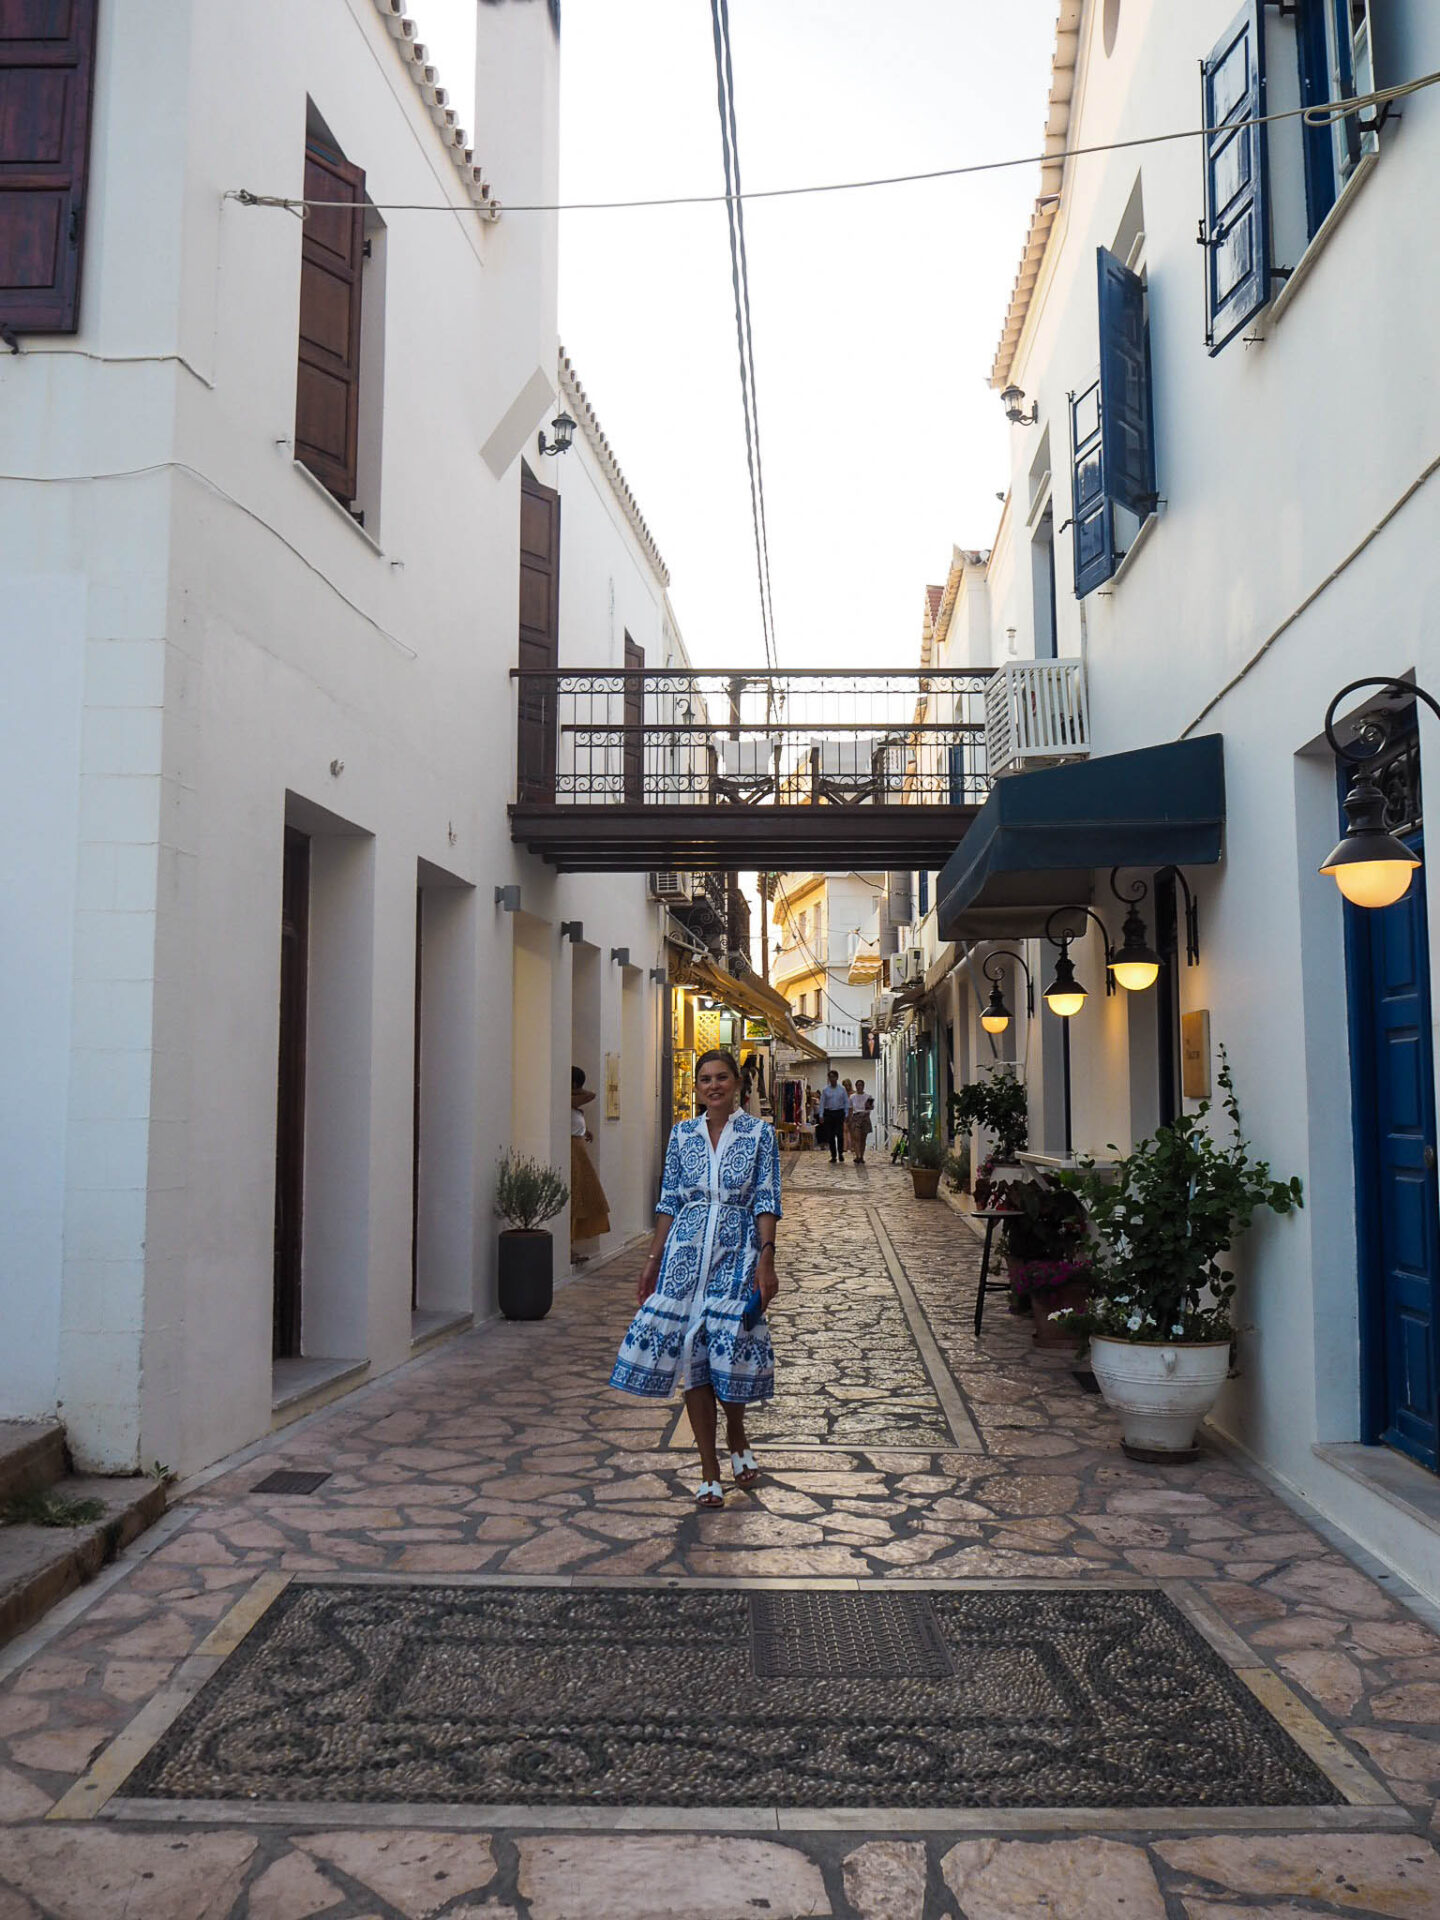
<point>650,1272</point>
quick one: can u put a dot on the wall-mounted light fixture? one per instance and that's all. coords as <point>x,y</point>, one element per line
<point>573,931</point>
<point>508,898</point>
<point>659,977</point>
<point>1013,401</point>
<point>1371,867</point>
<point>996,1017</point>
<point>1065,995</point>
<point>563,427</point>
<point>1137,965</point>
<point>621,955</point>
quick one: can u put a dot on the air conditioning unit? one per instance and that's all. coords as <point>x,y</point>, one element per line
<point>673,889</point>
<point>907,966</point>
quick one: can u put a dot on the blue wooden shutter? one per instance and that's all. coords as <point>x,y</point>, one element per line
<point>924,893</point>
<point>1237,218</point>
<point>1093,530</point>
<point>955,754</point>
<point>1127,427</point>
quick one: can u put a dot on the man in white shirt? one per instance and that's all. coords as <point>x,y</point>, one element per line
<point>834,1105</point>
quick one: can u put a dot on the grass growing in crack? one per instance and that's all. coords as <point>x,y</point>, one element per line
<point>43,1508</point>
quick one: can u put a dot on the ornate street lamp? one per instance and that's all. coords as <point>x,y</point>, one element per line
<point>563,427</point>
<point>1065,995</point>
<point>1371,867</point>
<point>1136,966</point>
<point>996,1017</point>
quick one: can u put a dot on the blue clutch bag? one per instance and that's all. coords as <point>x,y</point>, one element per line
<point>753,1309</point>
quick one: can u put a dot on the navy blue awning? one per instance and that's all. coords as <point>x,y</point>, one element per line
<point>1040,838</point>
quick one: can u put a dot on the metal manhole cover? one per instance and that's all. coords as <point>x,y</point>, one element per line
<point>290,1481</point>
<point>850,1636</point>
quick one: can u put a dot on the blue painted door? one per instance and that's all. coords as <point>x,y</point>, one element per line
<point>1400,1226</point>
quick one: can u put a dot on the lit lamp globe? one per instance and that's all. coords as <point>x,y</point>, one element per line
<point>1135,966</point>
<point>1065,995</point>
<point>1370,866</point>
<point>996,1017</point>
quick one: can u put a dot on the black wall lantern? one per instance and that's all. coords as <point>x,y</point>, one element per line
<point>996,1017</point>
<point>1065,995</point>
<point>563,427</point>
<point>1371,867</point>
<point>1137,965</point>
<point>1012,399</point>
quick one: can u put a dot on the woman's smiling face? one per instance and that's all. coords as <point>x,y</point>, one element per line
<point>716,1086</point>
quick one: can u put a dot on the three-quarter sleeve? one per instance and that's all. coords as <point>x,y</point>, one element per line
<point>671,1199</point>
<point>767,1173</point>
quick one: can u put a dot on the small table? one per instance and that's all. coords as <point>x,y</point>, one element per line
<point>992,1216</point>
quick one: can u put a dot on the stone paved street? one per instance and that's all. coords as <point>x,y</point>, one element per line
<point>505,1455</point>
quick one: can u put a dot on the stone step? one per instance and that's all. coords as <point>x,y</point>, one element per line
<point>40,1564</point>
<point>32,1455</point>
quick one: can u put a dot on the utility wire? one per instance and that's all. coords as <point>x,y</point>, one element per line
<point>1322,115</point>
<point>740,284</point>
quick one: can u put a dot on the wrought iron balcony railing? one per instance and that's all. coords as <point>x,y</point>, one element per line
<point>681,738</point>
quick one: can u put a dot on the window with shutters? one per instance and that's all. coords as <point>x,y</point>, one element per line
<point>339,379</point>
<point>47,78</point>
<point>1112,432</point>
<point>1272,190</point>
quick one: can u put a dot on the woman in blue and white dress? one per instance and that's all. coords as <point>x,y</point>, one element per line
<point>714,1246</point>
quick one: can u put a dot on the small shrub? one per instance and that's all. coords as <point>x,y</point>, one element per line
<point>957,1170</point>
<point>528,1193</point>
<point>46,1508</point>
<point>928,1153</point>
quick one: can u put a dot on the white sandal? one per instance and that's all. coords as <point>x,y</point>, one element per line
<point>709,1495</point>
<point>745,1468</point>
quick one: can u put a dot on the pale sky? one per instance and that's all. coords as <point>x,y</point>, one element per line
<point>875,314</point>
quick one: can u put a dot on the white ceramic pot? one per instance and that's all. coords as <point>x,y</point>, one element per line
<point>1161,1393</point>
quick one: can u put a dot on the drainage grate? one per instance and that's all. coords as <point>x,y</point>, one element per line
<point>846,1636</point>
<point>290,1481</point>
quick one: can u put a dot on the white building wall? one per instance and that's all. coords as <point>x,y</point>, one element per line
<point>203,647</point>
<point>1295,549</point>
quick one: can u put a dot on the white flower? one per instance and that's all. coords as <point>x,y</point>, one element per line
<point>1178,1327</point>
<point>1135,1322</point>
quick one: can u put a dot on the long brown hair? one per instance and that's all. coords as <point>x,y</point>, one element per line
<point>718,1053</point>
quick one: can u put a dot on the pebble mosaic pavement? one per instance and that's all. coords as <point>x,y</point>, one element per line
<point>503,1453</point>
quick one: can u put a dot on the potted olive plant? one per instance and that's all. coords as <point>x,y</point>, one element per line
<point>998,1103</point>
<point>527,1194</point>
<point>926,1159</point>
<point>1160,1316</point>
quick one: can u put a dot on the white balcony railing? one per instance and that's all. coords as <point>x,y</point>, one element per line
<point>1036,715</point>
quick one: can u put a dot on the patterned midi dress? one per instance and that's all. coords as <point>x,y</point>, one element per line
<point>690,1328</point>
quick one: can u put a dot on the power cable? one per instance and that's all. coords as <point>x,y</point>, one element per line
<point>740,284</point>
<point>1322,115</point>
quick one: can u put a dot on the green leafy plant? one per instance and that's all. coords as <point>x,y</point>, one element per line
<point>927,1153</point>
<point>1164,1218</point>
<point>1045,1232</point>
<point>45,1508</point>
<point>957,1169</point>
<point>1000,1104</point>
<point>527,1192</point>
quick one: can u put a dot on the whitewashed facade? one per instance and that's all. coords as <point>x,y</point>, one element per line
<point>823,921</point>
<point>1294,546</point>
<point>207,652</point>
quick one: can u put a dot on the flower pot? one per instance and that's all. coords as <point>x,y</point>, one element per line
<point>527,1273</point>
<point>1074,1295</point>
<point>1161,1392</point>
<point>926,1181</point>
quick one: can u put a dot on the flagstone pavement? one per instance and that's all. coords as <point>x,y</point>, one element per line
<point>505,1454</point>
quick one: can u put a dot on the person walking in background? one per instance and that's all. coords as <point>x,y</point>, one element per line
<point>834,1105</point>
<point>710,1275</point>
<point>589,1208</point>
<point>860,1105</point>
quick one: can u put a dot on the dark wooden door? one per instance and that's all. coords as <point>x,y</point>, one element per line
<point>1395,1133</point>
<point>47,63</point>
<point>539,635</point>
<point>290,1106</point>
<point>634,723</point>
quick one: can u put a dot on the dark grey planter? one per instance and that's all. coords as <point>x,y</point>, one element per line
<point>527,1273</point>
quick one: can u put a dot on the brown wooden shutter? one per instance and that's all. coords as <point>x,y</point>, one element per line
<point>47,76</point>
<point>327,392</point>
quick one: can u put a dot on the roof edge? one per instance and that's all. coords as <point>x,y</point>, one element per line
<point>573,392</point>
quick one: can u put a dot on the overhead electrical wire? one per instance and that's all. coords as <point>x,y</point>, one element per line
<point>1321,115</point>
<point>740,283</point>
